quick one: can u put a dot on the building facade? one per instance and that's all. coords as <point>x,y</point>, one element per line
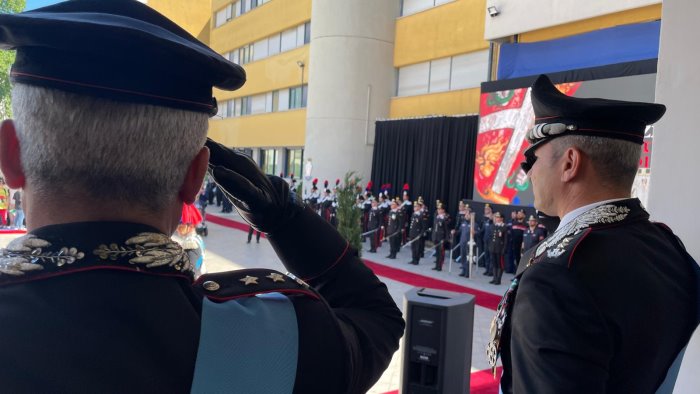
<point>320,72</point>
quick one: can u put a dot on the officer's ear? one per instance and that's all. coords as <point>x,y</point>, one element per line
<point>195,176</point>
<point>571,164</point>
<point>10,159</point>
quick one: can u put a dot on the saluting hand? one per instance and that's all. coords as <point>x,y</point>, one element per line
<point>264,201</point>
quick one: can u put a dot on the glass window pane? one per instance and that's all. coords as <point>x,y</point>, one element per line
<point>275,101</point>
<point>300,35</point>
<point>440,2</point>
<point>220,18</point>
<point>237,6</point>
<point>307,32</point>
<point>229,12</point>
<point>284,99</point>
<point>260,49</point>
<point>237,107</point>
<point>289,39</point>
<point>229,108</point>
<point>414,79</point>
<point>413,6</point>
<point>440,75</point>
<point>469,70</point>
<point>268,102</point>
<point>304,95</point>
<point>274,44</point>
<point>257,105</point>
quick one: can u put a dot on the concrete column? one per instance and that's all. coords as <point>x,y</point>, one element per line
<point>674,189</point>
<point>351,81</point>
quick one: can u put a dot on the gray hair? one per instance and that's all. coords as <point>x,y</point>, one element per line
<point>615,161</point>
<point>106,150</point>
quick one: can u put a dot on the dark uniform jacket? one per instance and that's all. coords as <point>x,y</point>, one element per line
<point>441,228</point>
<point>395,222</point>
<point>532,237</point>
<point>374,219</point>
<point>603,305</point>
<point>499,238</point>
<point>111,308</point>
<point>417,225</point>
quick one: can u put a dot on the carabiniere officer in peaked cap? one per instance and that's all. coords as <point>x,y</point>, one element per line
<point>111,103</point>
<point>605,303</point>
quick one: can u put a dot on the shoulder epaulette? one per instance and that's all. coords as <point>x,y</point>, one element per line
<point>224,286</point>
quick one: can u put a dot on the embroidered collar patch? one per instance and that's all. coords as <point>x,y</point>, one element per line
<point>603,214</point>
<point>146,250</point>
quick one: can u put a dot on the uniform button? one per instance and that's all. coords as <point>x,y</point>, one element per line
<point>211,285</point>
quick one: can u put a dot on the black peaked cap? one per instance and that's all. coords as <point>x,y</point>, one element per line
<point>557,114</point>
<point>116,49</point>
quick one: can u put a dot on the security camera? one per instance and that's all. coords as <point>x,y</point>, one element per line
<point>493,11</point>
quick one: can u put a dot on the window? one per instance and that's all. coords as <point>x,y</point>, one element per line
<point>245,105</point>
<point>268,102</point>
<point>237,107</point>
<point>469,70</point>
<point>260,49</point>
<point>297,97</point>
<point>294,159</point>
<point>267,160</point>
<point>220,17</point>
<point>307,32</point>
<point>274,44</point>
<point>245,54</point>
<point>289,39</point>
<point>275,101</point>
<point>414,6</point>
<point>237,7</point>
<point>300,35</point>
<point>440,75</point>
<point>257,104</point>
<point>230,104</point>
<point>455,73</point>
<point>414,79</point>
<point>283,101</point>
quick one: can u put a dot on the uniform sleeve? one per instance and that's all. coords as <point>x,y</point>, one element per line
<point>559,341</point>
<point>366,319</point>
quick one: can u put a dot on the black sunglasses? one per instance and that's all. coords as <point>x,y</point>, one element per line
<point>530,160</point>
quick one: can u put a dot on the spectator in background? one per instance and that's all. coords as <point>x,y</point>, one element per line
<point>4,202</point>
<point>18,220</point>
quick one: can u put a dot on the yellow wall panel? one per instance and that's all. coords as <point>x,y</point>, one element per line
<point>637,15</point>
<point>272,73</point>
<point>279,129</point>
<point>191,15</point>
<point>456,102</point>
<point>269,18</point>
<point>447,30</point>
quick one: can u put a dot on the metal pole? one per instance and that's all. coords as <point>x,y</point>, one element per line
<point>470,261</point>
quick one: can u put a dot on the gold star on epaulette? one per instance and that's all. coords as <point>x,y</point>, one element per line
<point>276,277</point>
<point>250,280</point>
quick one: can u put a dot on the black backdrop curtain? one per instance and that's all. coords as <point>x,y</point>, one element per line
<point>435,156</point>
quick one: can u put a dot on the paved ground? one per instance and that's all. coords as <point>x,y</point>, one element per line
<point>226,249</point>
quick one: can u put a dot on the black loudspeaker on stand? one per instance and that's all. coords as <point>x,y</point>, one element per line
<point>437,349</point>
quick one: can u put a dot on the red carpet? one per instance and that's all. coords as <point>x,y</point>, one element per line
<point>481,382</point>
<point>228,223</point>
<point>9,231</point>
<point>484,299</point>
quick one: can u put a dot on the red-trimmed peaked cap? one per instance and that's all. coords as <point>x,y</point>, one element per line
<point>557,114</point>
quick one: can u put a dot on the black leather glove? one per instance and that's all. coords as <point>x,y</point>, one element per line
<point>265,202</point>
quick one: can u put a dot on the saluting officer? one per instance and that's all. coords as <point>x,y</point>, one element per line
<point>113,99</point>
